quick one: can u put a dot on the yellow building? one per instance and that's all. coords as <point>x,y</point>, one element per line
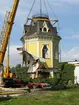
<point>41,40</point>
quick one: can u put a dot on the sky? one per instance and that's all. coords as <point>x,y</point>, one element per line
<point>66,11</point>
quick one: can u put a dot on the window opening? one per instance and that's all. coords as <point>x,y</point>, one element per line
<point>44,29</point>
<point>45,52</point>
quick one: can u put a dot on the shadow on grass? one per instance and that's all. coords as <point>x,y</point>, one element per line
<point>5,98</point>
<point>56,89</point>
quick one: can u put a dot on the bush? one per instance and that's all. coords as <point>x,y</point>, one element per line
<point>63,77</point>
<point>66,75</point>
<point>50,81</point>
<point>58,87</point>
<point>21,73</point>
<point>36,80</point>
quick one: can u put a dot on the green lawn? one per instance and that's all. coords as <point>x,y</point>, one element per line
<point>63,97</point>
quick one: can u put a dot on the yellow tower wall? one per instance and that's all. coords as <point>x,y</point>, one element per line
<point>35,45</point>
<point>32,46</point>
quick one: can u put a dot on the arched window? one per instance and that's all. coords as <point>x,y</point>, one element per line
<point>45,52</point>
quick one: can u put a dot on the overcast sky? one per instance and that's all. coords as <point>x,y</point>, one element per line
<point>66,11</point>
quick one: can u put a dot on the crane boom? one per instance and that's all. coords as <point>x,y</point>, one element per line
<point>6,34</point>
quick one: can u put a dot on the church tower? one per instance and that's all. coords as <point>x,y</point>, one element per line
<point>41,39</point>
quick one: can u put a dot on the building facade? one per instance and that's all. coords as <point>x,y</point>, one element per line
<point>76,71</point>
<point>42,40</point>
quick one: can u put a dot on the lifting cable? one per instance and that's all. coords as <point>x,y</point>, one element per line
<point>29,15</point>
<point>51,9</point>
<point>40,7</point>
<point>30,11</point>
<point>46,8</point>
<point>53,13</point>
<point>45,5</point>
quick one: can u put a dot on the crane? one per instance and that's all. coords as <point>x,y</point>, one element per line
<point>5,34</point>
<point>6,31</point>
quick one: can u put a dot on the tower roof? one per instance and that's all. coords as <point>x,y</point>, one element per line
<point>40,24</point>
<point>40,15</point>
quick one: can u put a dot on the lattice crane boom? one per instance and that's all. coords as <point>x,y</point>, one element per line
<point>6,30</point>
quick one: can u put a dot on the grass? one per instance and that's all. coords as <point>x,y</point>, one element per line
<point>62,97</point>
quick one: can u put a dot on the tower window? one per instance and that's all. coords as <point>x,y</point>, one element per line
<point>45,52</point>
<point>44,29</point>
<point>40,29</point>
<point>25,31</point>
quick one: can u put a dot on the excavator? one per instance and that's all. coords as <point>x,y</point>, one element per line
<point>4,39</point>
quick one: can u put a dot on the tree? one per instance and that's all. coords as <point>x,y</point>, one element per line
<point>65,76</point>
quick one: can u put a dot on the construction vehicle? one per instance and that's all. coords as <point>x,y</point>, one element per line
<point>4,39</point>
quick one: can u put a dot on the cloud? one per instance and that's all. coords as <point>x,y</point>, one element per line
<point>69,33</point>
<point>68,1</point>
<point>4,6</point>
<point>23,9</point>
<point>75,36</point>
<point>15,56</point>
<point>26,5</point>
<point>72,54</point>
